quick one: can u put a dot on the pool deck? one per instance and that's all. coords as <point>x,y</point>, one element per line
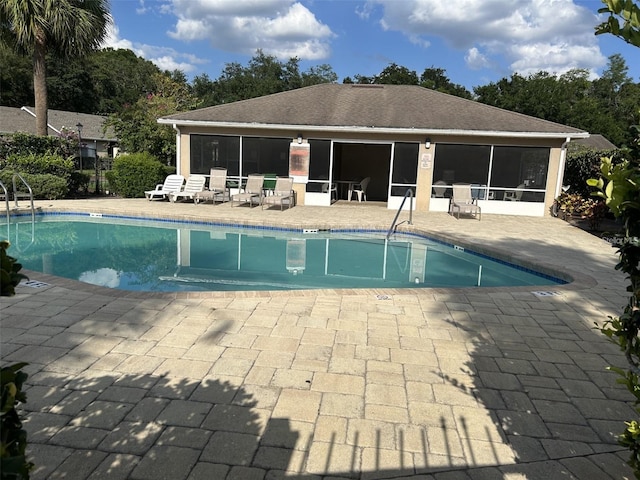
<point>421,383</point>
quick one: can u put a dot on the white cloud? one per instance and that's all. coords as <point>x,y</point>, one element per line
<point>105,277</point>
<point>476,60</point>
<point>529,35</point>
<point>283,28</point>
<point>163,57</point>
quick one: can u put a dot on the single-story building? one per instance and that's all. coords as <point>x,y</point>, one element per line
<point>96,141</point>
<point>400,136</point>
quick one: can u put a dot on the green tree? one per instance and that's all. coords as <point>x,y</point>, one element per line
<point>436,79</point>
<point>119,78</point>
<point>263,75</point>
<point>136,125</point>
<point>319,74</point>
<point>16,76</point>
<point>397,75</point>
<point>69,28</point>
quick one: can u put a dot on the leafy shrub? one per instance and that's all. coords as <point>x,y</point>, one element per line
<point>78,184</point>
<point>582,164</point>
<point>24,143</point>
<point>39,164</point>
<point>619,185</point>
<point>135,173</point>
<point>10,274</point>
<point>44,186</point>
<point>575,205</point>
<point>14,465</point>
<point>13,445</point>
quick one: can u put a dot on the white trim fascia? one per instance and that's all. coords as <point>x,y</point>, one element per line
<point>387,130</point>
<point>25,109</point>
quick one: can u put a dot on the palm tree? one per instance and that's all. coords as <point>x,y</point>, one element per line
<point>67,28</point>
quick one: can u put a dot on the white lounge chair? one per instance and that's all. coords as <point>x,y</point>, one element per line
<point>194,185</point>
<point>282,193</point>
<point>463,202</point>
<point>252,191</point>
<point>173,183</point>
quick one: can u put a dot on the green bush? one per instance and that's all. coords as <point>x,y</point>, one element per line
<point>44,186</point>
<point>133,174</point>
<point>65,145</point>
<point>10,275</point>
<point>582,164</point>
<point>13,460</point>
<point>39,164</point>
<point>575,205</point>
<point>78,184</point>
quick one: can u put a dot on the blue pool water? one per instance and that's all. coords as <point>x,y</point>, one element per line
<point>164,256</point>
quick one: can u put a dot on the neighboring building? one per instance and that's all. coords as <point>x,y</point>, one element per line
<point>400,136</point>
<point>95,140</point>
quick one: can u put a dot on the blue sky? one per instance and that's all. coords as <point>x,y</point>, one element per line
<point>475,41</point>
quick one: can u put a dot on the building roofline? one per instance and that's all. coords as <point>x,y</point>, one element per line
<point>357,129</point>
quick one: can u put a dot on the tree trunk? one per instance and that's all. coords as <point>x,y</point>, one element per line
<point>40,87</point>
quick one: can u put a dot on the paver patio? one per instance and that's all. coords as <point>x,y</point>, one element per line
<point>416,383</point>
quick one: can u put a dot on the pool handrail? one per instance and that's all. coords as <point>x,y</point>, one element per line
<point>408,193</point>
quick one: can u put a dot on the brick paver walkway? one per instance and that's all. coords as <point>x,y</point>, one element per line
<point>432,384</point>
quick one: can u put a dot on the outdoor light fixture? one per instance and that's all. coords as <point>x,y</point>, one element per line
<point>79,127</point>
<point>427,143</point>
<point>299,138</point>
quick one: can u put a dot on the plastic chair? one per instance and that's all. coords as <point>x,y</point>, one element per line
<point>173,183</point>
<point>514,195</point>
<point>194,185</point>
<point>334,190</point>
<point>361,190</point>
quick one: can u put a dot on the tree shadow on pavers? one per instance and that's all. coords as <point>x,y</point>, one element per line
<point>150,427</point>
<point>543,395</point>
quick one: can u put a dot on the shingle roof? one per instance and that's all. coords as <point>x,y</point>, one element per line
<point>597,142</point>
<point>371,106</point>
<point>20,120</point>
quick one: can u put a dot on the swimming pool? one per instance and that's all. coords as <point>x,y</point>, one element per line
<point>171,256</point>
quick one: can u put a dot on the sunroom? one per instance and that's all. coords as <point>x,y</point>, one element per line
<point>402,138</point>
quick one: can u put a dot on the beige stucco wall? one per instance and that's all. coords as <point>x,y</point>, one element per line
<point>427,156</point>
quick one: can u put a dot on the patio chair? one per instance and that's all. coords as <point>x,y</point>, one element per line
<point>463,202</point>
<point>333,190</point>
<point>360,190</point>
<point>218,189</point>
<point>440,188</point>
<point>252,191</point>
<point>173,183</point>
<point>282,193</point>
<point>514,195</point>
<point>194,185</point>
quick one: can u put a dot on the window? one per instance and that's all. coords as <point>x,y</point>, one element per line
<point>405,168</point>
<point>211,151</point>
<point>513,166</point>
<point>265,155</point>
<point>462,164</point>
<point>319,165</point>
<point>516,173</point>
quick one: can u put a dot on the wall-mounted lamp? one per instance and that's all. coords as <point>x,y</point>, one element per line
<point>427,143</point>
<point>299,138</point>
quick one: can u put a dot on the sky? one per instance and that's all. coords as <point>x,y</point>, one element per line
<point>475,41</point>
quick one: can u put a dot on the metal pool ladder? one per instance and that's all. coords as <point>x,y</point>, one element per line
<point>16,195</point>
<point>394,224</point>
